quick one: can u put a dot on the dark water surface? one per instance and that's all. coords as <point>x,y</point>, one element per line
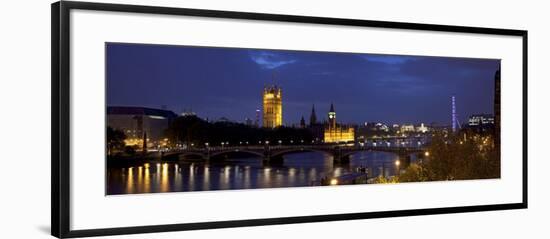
<point>298,170</point>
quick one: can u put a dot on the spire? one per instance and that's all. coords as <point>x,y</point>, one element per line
<point>313,117</point>
<point>332,108</point>
<point>302,122</point>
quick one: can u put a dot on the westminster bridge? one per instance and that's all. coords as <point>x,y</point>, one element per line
<point>340,153</point>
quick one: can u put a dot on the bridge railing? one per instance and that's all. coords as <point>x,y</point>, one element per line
<point>284,147</point>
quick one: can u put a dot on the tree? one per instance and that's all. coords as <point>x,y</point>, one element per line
<point>381,179</point>
<point>115,140</point>
<point>194,130</point>
<point>413,173</point>
<point>461,156</point>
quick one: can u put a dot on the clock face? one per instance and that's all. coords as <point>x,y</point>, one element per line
<point>331,116</point>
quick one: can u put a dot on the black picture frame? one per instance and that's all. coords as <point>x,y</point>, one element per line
<point>60,117</point>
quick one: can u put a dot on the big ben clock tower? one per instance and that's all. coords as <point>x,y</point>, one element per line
<point>337,133</point>
<point>332,117</point>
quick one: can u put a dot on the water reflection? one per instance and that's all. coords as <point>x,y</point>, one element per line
<point>300,169</point>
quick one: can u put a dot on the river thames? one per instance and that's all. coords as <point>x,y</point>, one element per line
<point>298,170</point>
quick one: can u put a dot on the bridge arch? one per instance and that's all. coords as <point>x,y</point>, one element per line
<point>179,155</point>
<point>245,151</point>
<point>299,150</point>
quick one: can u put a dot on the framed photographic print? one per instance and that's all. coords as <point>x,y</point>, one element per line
<point>167,118</point>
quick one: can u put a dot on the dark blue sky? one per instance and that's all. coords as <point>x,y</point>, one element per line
<point>227,82</point>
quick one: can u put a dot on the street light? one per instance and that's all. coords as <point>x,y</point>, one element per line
<point>397,163</point>
<point>427,154</point>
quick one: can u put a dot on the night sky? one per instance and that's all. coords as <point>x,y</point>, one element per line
<point>228,82</point>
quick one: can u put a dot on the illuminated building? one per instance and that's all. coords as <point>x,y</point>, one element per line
<point>481,123</point>
<point>332,117</point>
<point>138,123</point>
<point>407,128</point>
<point>480,120</point>
<point>257,121</point>
<point>335,133</point>
<point>273,107</point>
<point>422,128</point>
<point>376,126</point>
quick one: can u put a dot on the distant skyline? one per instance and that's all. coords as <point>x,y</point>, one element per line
<point>228,82</point>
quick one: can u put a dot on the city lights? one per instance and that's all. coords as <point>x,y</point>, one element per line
<point>357,132</point>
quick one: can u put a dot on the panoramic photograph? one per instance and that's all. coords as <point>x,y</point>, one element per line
<point>196,118</point>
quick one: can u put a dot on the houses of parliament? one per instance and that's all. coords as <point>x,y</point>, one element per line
<point>330,132</point>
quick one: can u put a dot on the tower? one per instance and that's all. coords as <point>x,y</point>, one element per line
<point>257,121</point>
<point>272,106</point>
<point>302,122</point>
<point>335,133</point>
<point>332,117</point>
<point>312,117</point>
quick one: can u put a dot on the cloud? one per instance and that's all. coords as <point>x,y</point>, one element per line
<point>390,59</point>
<point>269,60</point>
